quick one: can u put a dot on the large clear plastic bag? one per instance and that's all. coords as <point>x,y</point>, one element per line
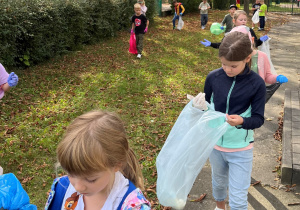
<point>265,47</point>
<point>255,17</point>
<point>12,194</point>
<point>185,152</point>
<point>180,23</point>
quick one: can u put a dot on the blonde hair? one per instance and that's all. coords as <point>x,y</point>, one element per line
<point>237,13</point>
<point>137,6</point>
<point>95,142</point>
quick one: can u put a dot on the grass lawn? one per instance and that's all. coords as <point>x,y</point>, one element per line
<point>148,94</point>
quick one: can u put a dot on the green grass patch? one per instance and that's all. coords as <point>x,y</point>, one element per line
<point>148,94</point>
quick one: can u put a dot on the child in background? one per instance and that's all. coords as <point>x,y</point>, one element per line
<point>203,7</point>
<point>259,62</point>
<point>140,26</point>
<point>7,80</point>
<point>228,19</point>
<point>240,93</point>
<point>255,7</point>
<point>238,3</point>
<point>143,6</point>
<point>103,172</point>
<point>239,18</point>
<point>179,10</point>
<point>262,15</point>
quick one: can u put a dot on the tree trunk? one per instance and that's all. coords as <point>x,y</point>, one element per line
<point>246,6</point>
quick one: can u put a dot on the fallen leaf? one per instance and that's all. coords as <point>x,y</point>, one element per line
<point>200,198</point>
<point>255,183</point>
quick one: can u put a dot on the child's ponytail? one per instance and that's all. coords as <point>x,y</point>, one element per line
<point>132,170</point>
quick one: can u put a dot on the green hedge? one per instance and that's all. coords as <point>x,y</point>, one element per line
<point>33,31</point>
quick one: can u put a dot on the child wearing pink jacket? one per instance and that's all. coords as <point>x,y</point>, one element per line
<point>6,80</point>
<point>260,61</point>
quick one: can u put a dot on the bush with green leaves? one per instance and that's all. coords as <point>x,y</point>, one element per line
<point>33,31</point>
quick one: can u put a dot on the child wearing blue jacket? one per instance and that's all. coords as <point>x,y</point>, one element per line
<point>240,93</point>
<point>103,172</point>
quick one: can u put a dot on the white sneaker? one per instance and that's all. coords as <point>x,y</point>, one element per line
<point>139,56</point>
<point>203,27</point>
<point>218,208</point>
<point>252,27</point>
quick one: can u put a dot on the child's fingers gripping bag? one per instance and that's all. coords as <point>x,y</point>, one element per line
<point>180,23</point>
<point>12,194</point>
<point>132,44</point>
<point>185,152</point>
<point>215,28</point>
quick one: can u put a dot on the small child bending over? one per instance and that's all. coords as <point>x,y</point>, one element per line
<point>238,92</point>
<point>103,172</point>
<point>7,81</point>
<point>140,26</point>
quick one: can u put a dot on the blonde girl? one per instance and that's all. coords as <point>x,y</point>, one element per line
<point>143,6</point>
<point>239,18</point>
<point>259,62</point>
<point>103,172</point>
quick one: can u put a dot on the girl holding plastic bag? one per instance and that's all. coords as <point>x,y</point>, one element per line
<point>261,64</point>
<point>238,92</point>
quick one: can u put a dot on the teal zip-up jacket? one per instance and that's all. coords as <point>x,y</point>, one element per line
<point>242,95</point>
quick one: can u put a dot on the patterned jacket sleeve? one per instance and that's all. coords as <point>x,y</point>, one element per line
<point>136,201</point>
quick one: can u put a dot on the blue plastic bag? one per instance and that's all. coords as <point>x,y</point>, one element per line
<point>12,194</point>
<point>185,152</point>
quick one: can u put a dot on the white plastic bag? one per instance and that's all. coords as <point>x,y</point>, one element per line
<point>265,47</point>
<point>180,23</point>
<point>185,152</point>
<point>255,18</point>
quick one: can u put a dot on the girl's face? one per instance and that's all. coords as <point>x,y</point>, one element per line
<point>241,20</point>
<point>98,183</point>
<point>234,68</point>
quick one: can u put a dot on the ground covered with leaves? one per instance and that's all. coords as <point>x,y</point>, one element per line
<point>148,94</point>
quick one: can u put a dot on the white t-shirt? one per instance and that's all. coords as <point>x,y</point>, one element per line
<point>117,192</point>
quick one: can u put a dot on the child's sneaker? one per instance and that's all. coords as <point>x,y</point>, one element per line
<point>261,29</point>
<point>252,27</point>
<point>203,27</point>
<point>139,56</point>
<point>174,27</point>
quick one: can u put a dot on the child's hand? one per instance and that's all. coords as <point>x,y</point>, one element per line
<point>131,31</point>
<point>281,79</point>
<point>199,101</point>
<point>180,14</point>
<point>234,120</point>
<point>12,79</point>
<point>206,43</point>
<point>146,29</point>
<point>222,27</point>
<point>264,38</point>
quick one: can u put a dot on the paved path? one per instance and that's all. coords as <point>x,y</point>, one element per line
<point>270,194</point>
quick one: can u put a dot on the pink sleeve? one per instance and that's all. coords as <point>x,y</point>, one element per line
<point>3,75</point>
<point>268,76</point>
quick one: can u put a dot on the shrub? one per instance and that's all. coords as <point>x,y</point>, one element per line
<point>33,31</point>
